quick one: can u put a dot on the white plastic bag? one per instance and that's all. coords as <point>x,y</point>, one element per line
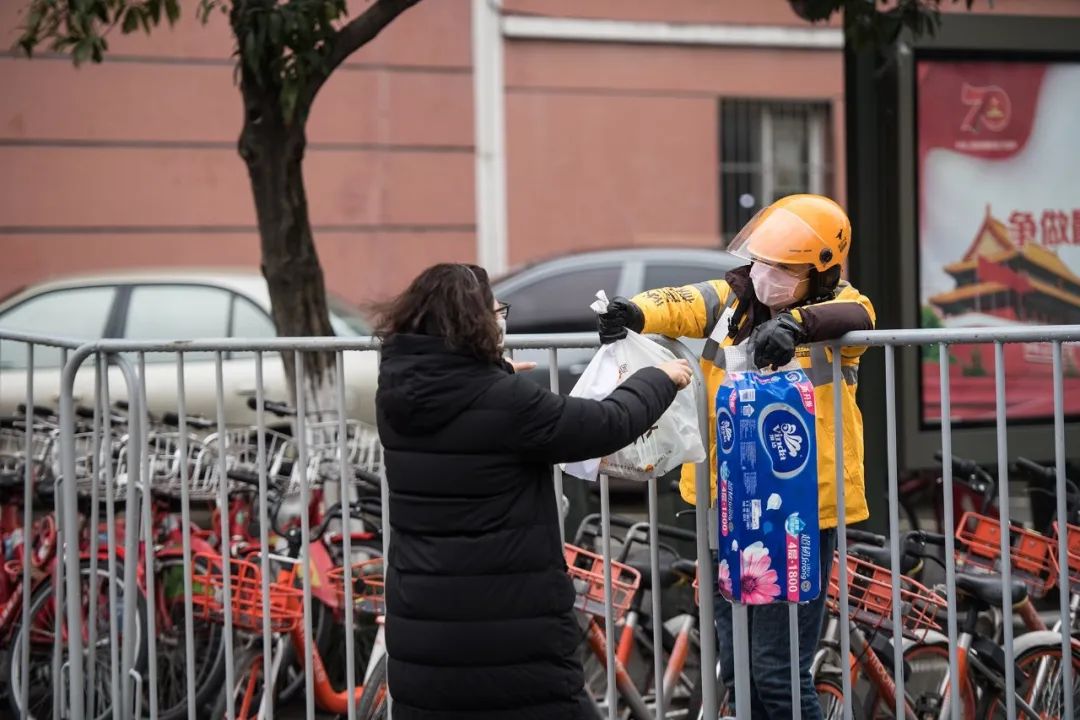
<point>675,439</point>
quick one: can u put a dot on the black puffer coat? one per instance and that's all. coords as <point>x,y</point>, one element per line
<point>480,623</point>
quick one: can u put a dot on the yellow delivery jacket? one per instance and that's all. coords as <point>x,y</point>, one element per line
<point>707,310</point>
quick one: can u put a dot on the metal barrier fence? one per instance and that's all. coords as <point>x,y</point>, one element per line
<point>106,460</point>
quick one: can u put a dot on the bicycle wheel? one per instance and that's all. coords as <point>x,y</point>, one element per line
<point>1047,699</point>
<point>929,666</point>
<point>248,687</point>
<point>43,622</point>
<point>373,699</point>
<point>830,692</point>
<point>172,649</point>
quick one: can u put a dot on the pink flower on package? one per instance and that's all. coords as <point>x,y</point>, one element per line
<point>758,581</point>
<point>724,576</point>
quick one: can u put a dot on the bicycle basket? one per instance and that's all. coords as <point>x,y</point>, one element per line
<point>173,459</point>
<point>13,441</point>
<point>870,599</point>
<point>1073,540</point>
<point>1031,553</point>
<point>586,570</point>
<point>368,583</point>
<point>284,601</point>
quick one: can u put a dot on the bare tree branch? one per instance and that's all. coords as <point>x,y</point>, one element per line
<point>358,32</point>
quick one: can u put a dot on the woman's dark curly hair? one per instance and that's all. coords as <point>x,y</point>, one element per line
<point>451,301</point>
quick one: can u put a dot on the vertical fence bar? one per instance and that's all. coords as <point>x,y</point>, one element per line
<point>894,521</point>
<point>148,544</point>
<point>1063,540</point>
<point>740,641</point>
<point>384,496</point>
<point>655,593</point>
<point>58,573</point>
<point>1003,514</point>
<point>28,527</point>
<point>707,582</point>
<point>955,681</point>
<point>841,529</point>
<point>96,443</point>
<point>131,532</point>
<point>609,610</point>
<point>226,537</point>
<point>264,532</point>
<point>110,533</point>
<point>185,538</point>
<point>553,376</point>
<point>345,475</point>
<point>69,556</point>
<point>305,530</point>
<point>796,668</point>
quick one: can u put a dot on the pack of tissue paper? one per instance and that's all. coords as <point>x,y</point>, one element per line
<point>768,493</point>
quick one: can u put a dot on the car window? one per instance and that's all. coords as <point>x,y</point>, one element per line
<point>676,275</point>
<point>560,302</point>
<point>250,321</point>
<point>78,313</point>
<point>177,312</point>
<point>346,320</point>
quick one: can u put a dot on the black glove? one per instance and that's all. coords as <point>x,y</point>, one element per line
<point>775,341</point>
<point>621,315</point>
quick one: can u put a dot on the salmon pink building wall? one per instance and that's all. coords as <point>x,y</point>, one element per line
<point>133,163</point>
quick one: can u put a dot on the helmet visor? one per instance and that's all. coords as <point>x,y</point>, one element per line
<point>778,237</point>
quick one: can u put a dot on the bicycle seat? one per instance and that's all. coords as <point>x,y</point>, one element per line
<point>12,480</point>
<point>883,557</point>
<point>987,588</point>
<point>671,572</point>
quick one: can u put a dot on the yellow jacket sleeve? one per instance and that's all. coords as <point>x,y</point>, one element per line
<point>849,311</point>
<point>691,311</point>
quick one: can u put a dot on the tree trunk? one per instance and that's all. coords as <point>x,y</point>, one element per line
<point>274,153</point>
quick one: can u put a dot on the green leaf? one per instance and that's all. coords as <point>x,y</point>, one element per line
<point>172,10</point>
<point>276,29</point>
<point>131,21</point>
<point>82,52</point>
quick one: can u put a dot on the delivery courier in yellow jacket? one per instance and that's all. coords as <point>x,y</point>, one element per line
<point>787,297</point>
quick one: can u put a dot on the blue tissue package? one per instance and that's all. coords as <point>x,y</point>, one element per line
<point>766,454</point>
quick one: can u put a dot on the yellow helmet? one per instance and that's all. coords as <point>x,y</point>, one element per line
<point>797,230</point>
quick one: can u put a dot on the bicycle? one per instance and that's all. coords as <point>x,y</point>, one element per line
<point>981,659</point>
<point>251,689</point>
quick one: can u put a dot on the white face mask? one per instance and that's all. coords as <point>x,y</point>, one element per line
<point>775,287</point>
<point>501,321</point>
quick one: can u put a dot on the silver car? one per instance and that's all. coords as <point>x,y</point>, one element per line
<point>174,305</point>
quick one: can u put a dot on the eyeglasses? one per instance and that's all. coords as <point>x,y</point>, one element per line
<point>503,310</point>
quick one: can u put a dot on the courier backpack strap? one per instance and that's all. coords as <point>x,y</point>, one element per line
<point>711,352</point>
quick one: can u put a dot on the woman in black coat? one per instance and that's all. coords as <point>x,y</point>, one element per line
<point>480,622</point>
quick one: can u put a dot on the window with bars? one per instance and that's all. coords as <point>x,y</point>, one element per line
<point>770,149</point>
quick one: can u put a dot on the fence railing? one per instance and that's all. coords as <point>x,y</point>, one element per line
<point>145,593</point>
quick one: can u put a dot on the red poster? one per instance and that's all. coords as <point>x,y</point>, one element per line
<point>999,226</point>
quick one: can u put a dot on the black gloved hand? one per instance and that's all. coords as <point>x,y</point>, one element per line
<point>621,315</point>
<point>775,341</point>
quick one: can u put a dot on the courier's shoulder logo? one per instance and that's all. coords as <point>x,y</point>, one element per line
<point>786,439</point>
<point>989,105</point>
<point>725,430</point>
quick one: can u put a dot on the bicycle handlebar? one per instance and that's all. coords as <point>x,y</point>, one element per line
<point>273,407</point>
<point>1035,469</point>
<point>865,538</point>
<point>172,419</point>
